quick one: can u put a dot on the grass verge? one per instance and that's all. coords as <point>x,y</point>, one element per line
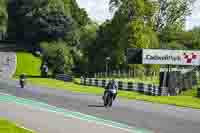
<point>8,127</point>
<point>28,64</point>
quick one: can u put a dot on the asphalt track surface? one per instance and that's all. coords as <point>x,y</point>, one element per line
<point>142,115</point>
<point>42,121</point>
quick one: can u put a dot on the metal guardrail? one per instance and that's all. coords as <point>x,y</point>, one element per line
<point>198,92</point>
<point>64,77</point>
<point>8,41</point>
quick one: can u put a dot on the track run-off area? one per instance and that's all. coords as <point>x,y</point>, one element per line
<point>47,110</point>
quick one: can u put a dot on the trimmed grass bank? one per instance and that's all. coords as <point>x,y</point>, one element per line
<point>187,99</point>
<point>28,64</point>
<point>9,127</point>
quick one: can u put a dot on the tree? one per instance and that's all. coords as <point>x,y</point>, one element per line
<point>79,14</point>
<point>167,13</point>
<point>101,48</point>
<point>38,20</point>
<point>195,38</point>
<point>58,56</point>
<point>131,27</point>
<point>172,13</point>
<point>41,20</point>
<point>3,16</point>
<point>86,36</point>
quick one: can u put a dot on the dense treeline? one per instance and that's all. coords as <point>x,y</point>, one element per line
<point>67,34</point>
<point>3,16</point>
<point>40,20</point>
<point>140,24</point>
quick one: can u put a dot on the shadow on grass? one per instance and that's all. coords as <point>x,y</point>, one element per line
<point>31,76</point>
<point>38,76</point>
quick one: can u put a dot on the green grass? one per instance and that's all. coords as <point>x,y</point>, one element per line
<point>187,99</point>
<point>28,64</point>
<point>192,92</point>
<point>52,83</point>
<point>8,127</point>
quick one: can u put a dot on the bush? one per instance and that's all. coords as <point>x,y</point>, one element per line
<point>58,56</point>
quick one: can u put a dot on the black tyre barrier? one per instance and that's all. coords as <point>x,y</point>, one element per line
<point>96,82</point>
<point>130,86</point>
<point>90,81</point>
<point>198,92</point>
<point>120,85</point>
<point>159,90</point>
<point>150,89</point>
<point>103,83</point>
<point>147,89</point>
<point>141,87</point>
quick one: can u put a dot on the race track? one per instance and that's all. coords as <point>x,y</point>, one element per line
<point>136,115</point>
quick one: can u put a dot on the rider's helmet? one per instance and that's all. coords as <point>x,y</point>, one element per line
<point>112,81</point>
<point>22,76</point>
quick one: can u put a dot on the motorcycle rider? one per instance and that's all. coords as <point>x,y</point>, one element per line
<point>112,87</point>
<point>22,80</point>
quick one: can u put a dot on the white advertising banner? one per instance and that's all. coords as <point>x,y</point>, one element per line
<point>173,57</point>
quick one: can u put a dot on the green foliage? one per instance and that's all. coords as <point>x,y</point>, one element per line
<point>131,27</point>
<point>38,20</point>
<point>85,45</point>
<point>169,21</point>
<point>3,16</point>
<point>177,40</point>
<point>78,14</point>
<point>88,35</point>
<point>58,56</point>
<point>165,16</point>
<point>141,36</point>
<point>41,20</point>
<point>87,41</point>
<point>196,38</point>
<point>175,45</point>
<point>171,14</point>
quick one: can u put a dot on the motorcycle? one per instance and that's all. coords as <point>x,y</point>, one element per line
<point>22,80</point>
<point>108,98</point>
<point>22,83</point>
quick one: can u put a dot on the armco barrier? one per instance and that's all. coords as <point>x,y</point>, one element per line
<point>198,92</point>
<point>64,77</point>
<point>148,89</point>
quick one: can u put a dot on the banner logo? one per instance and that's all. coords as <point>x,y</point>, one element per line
<point>190,57</point>
<point>172,57</point>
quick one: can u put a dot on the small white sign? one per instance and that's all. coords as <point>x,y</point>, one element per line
<point>173,57</point>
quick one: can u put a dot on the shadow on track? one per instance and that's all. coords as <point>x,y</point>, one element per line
<point>96,106</point>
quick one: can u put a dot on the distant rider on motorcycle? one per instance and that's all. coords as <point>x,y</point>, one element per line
<point>111,87</point>
<point>22,80</point>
